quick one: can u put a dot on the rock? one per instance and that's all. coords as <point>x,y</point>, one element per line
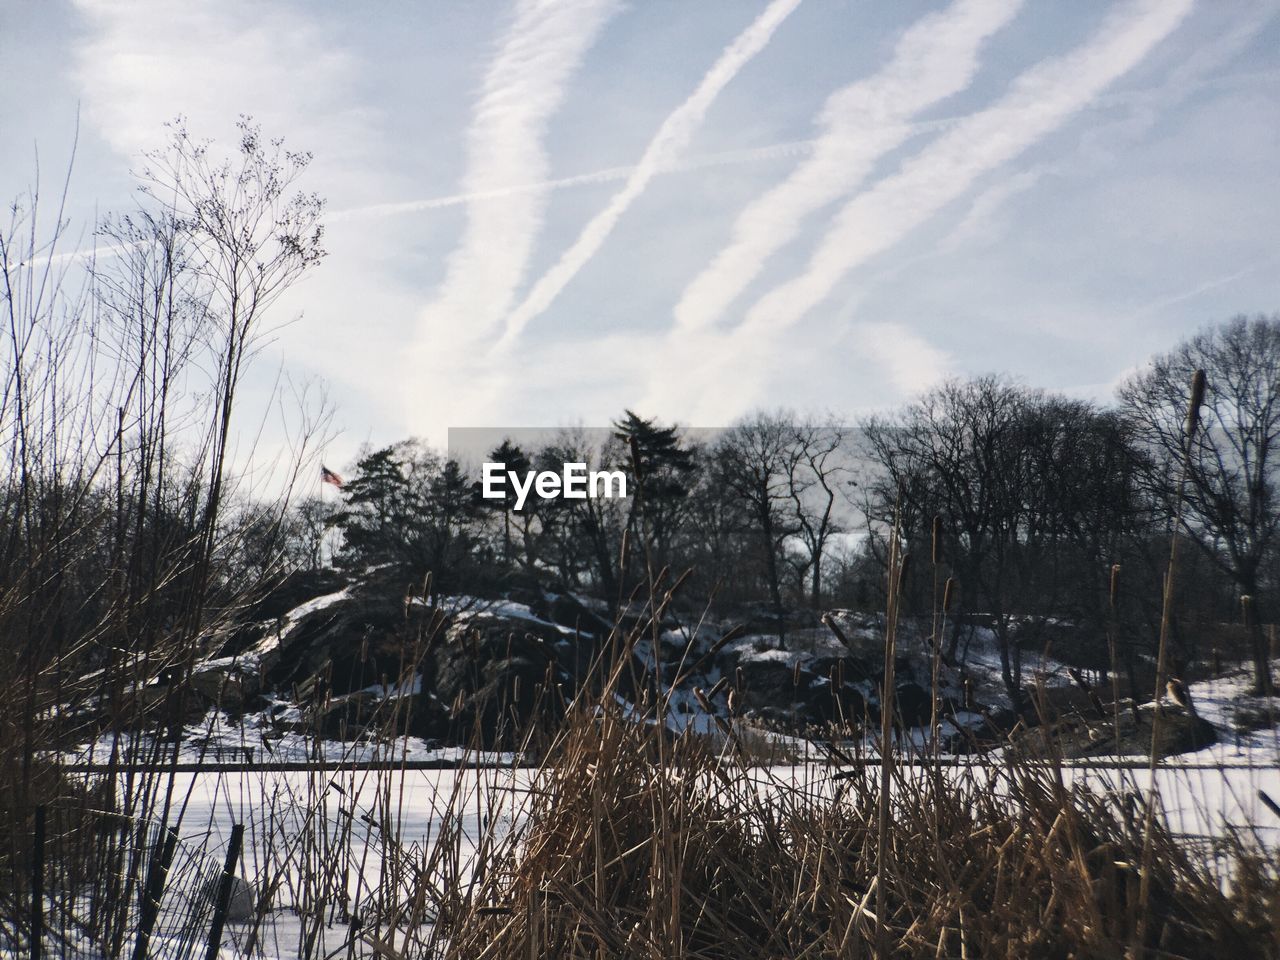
<point>348,645</point>
<point>768,681</point>
<point>862,633</point>
<point>565,610</point>
<point>912,705</point>
<point>490,674</point>
<point>1078,736</point>
<point>243,904</point>
<point>223,683</point>
<point>826,703</point>
<point>292,591</point>
<point>345,717</point>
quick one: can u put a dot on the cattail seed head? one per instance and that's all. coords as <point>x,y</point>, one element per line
<point>1194,404</point>
<point>1246,608</point>
<point>937,539</point>
<point>717,687</point>
<point>949,594</point>
<point>703,700</point>
<point>1115,586</point>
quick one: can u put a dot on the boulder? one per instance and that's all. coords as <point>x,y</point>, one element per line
<point>490,674</point>
<point>567,611</point>
<point>768,681</point>
<point>349,645</point>
<point>223,683</point>
<point>1078,736</point>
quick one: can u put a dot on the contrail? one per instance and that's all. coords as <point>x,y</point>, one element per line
<point>672,138</point>
<point>523,87</point>
<point>85,253</point>
<point>773,151</point>
<point>1040,100</point>
<point>860,123</point>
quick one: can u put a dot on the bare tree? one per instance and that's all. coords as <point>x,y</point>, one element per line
<point>1233,463</point>
<point>247,236</point>
<point>815,470</point>
<point>752,463</point>
<point>957,452</point>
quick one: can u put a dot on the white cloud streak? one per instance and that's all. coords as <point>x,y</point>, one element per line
<point>859,123</point>
<point>523,87</point>
<point>773,151</point>
<point>141,63</point>
<point>672,138</point>
<point>1039,101</point>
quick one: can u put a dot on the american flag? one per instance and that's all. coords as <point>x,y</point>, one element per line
<point>328,476</point>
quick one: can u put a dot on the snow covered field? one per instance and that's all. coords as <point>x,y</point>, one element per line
<point>409,810</point>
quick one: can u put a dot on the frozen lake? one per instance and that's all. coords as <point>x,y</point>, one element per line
<point>392,830</point>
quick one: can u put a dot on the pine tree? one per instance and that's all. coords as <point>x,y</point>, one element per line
<point>667,472</point>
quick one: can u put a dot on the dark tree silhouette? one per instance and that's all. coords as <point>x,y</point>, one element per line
<point>1233,461</point>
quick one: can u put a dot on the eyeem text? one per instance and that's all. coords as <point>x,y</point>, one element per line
<point>574,482</point>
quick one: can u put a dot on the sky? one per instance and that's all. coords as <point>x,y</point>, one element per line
<point>540,212</point>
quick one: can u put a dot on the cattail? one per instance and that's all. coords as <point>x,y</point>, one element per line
<point>937,539</point>
<point>1115,587</point>
<point>717,687</point>
<point>949,594</point>
<point>703,702</point>
<point>733,701</point>
<point>739,679</point>
<point>795,674</point>
<point>1269,803</point>
<point>1193,406</point>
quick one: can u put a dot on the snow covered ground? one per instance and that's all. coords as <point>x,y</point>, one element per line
<point>1202,803</point>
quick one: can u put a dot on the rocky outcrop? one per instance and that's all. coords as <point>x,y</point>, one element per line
<point>495,673</point>
<point>1077,736</point>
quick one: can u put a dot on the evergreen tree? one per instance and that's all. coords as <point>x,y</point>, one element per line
<point>667,472</point>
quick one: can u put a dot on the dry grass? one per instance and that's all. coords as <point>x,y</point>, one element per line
<point>638,846</point>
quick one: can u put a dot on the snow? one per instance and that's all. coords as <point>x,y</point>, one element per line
<point>465,607</point>
<point>261,738</point>
<point>1200,804</point>
<point>272,640</point>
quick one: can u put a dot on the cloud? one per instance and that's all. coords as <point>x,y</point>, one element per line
<point>1140,111</point>
<point>860,123</point>
<point>140,63</point>
<point>672,138</point>
<point>523,88</point>
<point>524,85</point>
<point>1039,101</point>
<point>1204,286</point>
<point>912,363</point>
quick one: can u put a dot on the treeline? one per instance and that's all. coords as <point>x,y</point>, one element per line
<point>1029,509</point>
<point>127,535</point>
